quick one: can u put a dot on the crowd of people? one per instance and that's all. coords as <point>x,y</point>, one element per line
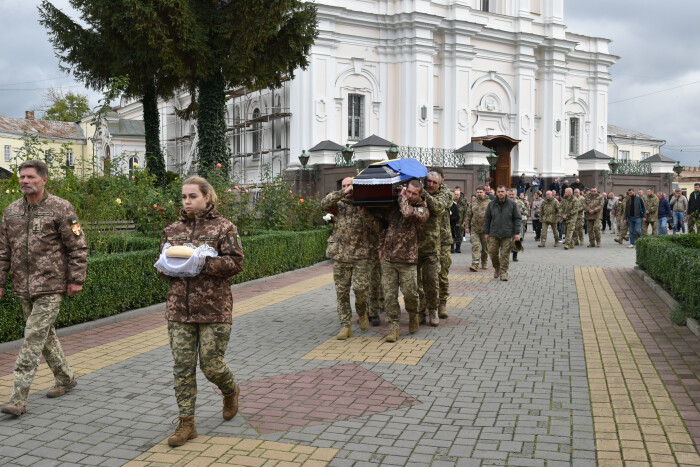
<point>408,247</point>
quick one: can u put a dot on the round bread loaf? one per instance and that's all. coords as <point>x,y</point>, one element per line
<point>179,252</point>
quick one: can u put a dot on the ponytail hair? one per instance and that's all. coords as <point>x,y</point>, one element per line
<point>205,187</point>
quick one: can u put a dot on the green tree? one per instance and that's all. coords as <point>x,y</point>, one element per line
<point>68,107</point>
<point>144,41</point>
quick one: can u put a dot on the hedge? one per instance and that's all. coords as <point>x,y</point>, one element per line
<point>119,243</point>
<point>674,260</point>
<point>120,282</point>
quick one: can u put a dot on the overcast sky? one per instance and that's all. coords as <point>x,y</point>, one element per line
<point>655,90</point>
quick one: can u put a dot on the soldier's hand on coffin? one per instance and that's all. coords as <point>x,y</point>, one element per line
<point>348,190</point>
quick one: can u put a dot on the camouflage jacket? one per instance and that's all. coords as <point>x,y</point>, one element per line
<point>550,211</point>
<point>475,215</point>
<point>205,298</point>
<point>569,208</point>
<point>439,206</point>
<point>43,247</point>
<point>463,209</point>
<point>581,211</point>
<point>522,207</point>
<point>354,236</point>
<point>399,241</point>
<point>594,203</point>
<point>652,204</point>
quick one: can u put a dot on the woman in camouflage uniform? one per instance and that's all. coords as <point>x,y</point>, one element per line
<point>198,309</point>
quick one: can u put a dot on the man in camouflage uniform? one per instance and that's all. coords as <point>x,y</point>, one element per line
<point>376,294</point>
<point>438,198</point>
<point>580,219</point>
<point>622,227</point>
<point>463,205</point>
<point>502,224</point>
<point>569,215</point>
<point>550,215</point>
<point>475,228</point>
<point>522,209</point>
<point>399,256</point>
<point>445,255</point>
<point>593,207</point>
<point>652,205</point>
<point>44,249</point>
<point>350,247</point>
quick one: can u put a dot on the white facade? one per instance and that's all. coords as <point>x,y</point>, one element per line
<point>427,74</point>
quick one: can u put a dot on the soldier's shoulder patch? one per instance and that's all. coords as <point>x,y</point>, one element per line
<point>238,239</point>
<point>75,227</point>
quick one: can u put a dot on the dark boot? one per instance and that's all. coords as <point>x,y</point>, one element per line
<point>515,256</point>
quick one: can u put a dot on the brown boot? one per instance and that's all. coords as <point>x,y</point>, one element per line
<point>58,391</point>
<point>393,335</point>
<point>433,318</point>
<point>496,273</point>
<point>231,403</point>
<point>185,431</point>
<point>413,324</point>
<point>473,268</point>
<point>364,322</point>
<point>442,310</point>
<point>344,333</point>
<point>13,409</point>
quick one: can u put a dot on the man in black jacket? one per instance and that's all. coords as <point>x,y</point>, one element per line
<point>694,210</point>
<point>501,226</point>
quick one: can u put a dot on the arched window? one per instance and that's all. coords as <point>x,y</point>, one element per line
<point>257,131</point>
<point>356,116</point>
<point>133,164</point>
<point>574,136</point>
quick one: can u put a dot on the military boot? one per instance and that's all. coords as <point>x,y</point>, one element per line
<point>375,321</point>
<point>364,322</point>
<point>473,268</point>
<point>185,431</point>
<point>434,319</point>
<point>421,317</point>
<point>515,256</point>
<point>393,335</point>
<point>231,403</point>
<point>344,333</point>
<point>442,310</point>
<point>413,324</point>
<point>13,409</point>
<point>58,391</point>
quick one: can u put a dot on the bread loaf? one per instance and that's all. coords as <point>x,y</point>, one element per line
<point>179,252</point>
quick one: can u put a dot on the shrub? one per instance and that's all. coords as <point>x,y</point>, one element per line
<point>120,282</point>
<point>674,260</point>
<point>100,244</point>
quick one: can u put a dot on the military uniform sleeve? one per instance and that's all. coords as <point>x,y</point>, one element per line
<point>417,214</point>
<point>230,259</point>
<point>76,247</point>
<point>5,253</point>
<point>331,199</point>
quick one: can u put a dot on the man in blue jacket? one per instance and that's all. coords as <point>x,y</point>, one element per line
<point>636,210</point>
<point>663,214</point>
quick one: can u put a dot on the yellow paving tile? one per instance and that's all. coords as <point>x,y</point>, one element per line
<point>102,356</point>
<point>211,451</point>
<point>632,400</point>
<point>371,349</point>
<point>470,278</point>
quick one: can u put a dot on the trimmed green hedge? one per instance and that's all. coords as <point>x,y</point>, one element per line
<point>120,282</point>
<point>100,244</point>
<point>674,260</point>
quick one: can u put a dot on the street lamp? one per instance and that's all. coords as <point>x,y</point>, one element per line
<point>613,164</point>
<point>347,152</point>
<point>392,151</point>
<point>304,158</point>
<point>493,159</point>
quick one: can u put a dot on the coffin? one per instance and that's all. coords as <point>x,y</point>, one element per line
<point>380,183</point>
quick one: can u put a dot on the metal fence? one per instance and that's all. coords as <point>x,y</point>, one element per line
<point>633,168</point>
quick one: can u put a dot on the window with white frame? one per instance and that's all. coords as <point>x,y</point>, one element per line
<point>645,155</point>
<point>356,116</point>
<point>574,136</point>
<point>70,159</point>
<point>624,155</point>
<point>236,131</point>
<point>8,153</point>
<point>487,5</point>
<point>48,156</point>
<point>133,164</point>
<point>257,132</point>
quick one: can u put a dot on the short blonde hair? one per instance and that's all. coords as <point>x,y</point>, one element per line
<point>205,187</point>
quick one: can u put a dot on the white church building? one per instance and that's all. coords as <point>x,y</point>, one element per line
<point>423,74</point>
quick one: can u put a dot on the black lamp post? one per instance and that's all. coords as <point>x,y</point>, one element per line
<point>347,152</point>
<point>493,159</point>
<point>614,164</point>
<point>678,168</point>
<point>392,151</point>
<point>304,158</point>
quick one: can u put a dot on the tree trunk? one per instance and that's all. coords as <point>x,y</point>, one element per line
<point>211,123</point>
<point>151,120</point>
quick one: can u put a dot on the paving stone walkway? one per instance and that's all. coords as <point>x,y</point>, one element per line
<point>573,361</point>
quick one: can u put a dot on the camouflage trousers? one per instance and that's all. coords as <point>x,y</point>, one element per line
<point>209,340</point>
<point>39,339</point>
<point>397,276</point>
<point>545,228</point>
<point>444,275</point>
<point>647,223</point>
<point>458,239</point>
<point>594,231</point>
<point>578,231</point>
<point>569,231</point>
<point>622,229</point>
<point>358,274</point>
<point>376,294</point>
<point>479,249</point>
<point>499,251</point>
<point>428,282</point>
